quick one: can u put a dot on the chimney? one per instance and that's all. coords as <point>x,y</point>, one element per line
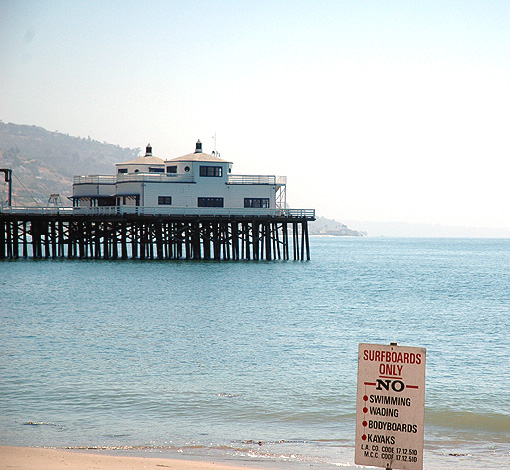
<point>148,150</point>
<point>198,148</point>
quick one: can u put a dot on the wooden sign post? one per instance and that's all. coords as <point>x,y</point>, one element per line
<point>390,406</point>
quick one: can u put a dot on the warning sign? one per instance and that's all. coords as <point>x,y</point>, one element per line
<point>390,406</point>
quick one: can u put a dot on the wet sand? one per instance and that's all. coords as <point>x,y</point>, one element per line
<point>33,458</point>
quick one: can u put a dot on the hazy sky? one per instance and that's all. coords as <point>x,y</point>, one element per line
<point>375,110</point>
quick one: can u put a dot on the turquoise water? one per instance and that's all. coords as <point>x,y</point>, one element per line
<point>257,360</point>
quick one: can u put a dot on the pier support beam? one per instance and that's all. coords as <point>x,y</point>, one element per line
<point>153,237</point>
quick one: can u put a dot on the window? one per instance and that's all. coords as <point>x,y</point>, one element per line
<point>156,170</point>
<point>105,201</point>
<point>164,200</point>
<point>257,202</point>
<point>210,202</point>
<point>211,171</point>
<point>186,169</point>
<point>171,169</point>
<point>122,170</point>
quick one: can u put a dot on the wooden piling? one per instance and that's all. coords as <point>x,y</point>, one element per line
<point>153,237</point>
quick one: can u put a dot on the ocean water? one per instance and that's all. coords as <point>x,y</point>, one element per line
<point>256,361</point>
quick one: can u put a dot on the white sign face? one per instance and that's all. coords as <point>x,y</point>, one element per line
<point>390,406</point>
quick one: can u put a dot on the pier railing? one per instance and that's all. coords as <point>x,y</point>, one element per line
<point>132,178</point>
<point>171,177</point>
<point>169,211</point>
<point>257,179</point>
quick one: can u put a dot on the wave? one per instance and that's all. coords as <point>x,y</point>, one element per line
<point>469,421</point>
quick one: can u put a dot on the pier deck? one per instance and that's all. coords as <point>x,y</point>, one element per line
<point>146,233</point>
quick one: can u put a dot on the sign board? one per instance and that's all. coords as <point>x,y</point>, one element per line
<point>390,406</point>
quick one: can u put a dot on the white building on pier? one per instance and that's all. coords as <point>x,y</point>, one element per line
<point>186,184</point>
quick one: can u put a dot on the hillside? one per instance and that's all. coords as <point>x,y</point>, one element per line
<point>44,162</point>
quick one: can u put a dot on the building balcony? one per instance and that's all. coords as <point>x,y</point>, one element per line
<point>257,179</point>
<point>174,178</point>
<point>133,178</point>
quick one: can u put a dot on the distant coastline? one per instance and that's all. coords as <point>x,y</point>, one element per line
<point>333,228</point>
<point>420,230</point>
<point>357,228</point>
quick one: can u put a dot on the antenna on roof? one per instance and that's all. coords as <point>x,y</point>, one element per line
<point>215,152</point>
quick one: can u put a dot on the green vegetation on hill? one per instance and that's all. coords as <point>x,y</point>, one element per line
<point>44,162</point>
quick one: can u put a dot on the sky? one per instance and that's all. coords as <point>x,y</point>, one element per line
<point>374,110</point>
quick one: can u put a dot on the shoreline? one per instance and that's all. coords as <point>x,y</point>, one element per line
<point>41,458</point>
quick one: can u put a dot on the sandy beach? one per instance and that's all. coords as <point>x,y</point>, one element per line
<point>31,458</point>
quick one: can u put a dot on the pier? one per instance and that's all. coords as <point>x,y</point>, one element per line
<point>147,234</point>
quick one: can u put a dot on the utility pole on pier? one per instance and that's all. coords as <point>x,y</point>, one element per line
<point>8,179</point>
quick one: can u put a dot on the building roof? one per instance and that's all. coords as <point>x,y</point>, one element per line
<point>149,160</point>
<point>199,157</point>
